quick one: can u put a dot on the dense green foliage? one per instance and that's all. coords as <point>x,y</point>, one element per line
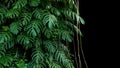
<point>33,33</point>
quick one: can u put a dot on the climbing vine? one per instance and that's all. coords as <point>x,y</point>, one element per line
<point>37,33</point>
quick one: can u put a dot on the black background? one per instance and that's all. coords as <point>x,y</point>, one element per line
<point>100,31</point>
<point>89,11</point>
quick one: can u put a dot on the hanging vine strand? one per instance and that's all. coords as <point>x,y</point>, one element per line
<point>39,33</point>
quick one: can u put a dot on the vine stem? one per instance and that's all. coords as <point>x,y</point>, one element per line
<point>80,42</point>
<point>75,54</point>
<point>83,52</point>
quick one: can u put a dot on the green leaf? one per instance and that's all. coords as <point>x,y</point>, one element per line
<point>49,46</point>
<point>1,17</point>
<point>34,28</point>
<point>34,3</point>
<point>77,30</point>
<point>66,35</point>
<point>6,60</point>
<point>82,21</point>
<point>72,16</point>
<point>3,11</point>
<point>60,56</point>
<point>55,65</point>
<point>2,51</point>
<point>15,28</point>
<point>55,11</point>
<point>38,13</point>
<point>48,33</point>
<point>5,37</point>
<point>5,28</point>
<point>12,13</point>
<point>68,64</point>
<point>49,20</point>
<point>19,4</point>
<point>37,55</point>
<point>21,64</point>
<point>22,39</point>
<point>63,47</point>
<point>26,18</point>
<point>9,44</point>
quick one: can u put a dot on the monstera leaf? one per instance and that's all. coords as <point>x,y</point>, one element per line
<point>38,33</point>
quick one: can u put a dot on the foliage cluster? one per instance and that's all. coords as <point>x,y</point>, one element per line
<point>33,33</point>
